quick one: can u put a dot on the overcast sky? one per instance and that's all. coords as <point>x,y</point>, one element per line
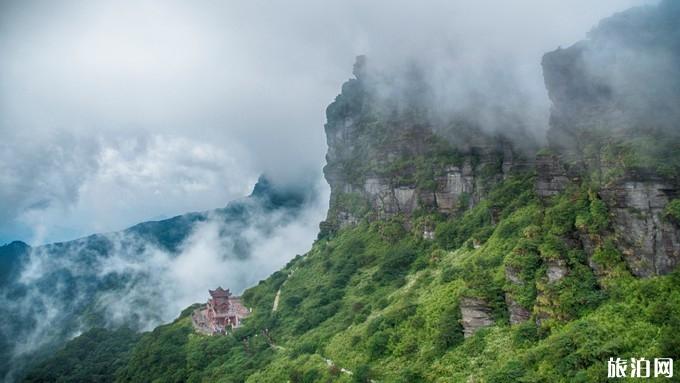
<point>115,112</point>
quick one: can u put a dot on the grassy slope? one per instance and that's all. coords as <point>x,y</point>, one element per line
<point>382,303</point>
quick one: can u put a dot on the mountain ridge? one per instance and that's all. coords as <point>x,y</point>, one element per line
<point>80,276</point>
<point>464,261</point>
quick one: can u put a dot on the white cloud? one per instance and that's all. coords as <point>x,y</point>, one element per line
<point>81,79</point>
<point>157,284</point>
<point>129,180</point>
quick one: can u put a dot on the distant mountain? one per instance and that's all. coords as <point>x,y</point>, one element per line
<point>11,255</point>
<point>52,292</point>
<point>447,254</point>
<point>451,254</point>
<point>615,95</point>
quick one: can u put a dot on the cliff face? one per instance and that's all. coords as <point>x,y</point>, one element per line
<point>386,159</point>
<point>454,265</point>
<point>623,82</point>
<point>648,240</point>
<point>615,118</point>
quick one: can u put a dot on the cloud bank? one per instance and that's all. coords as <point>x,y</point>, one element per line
<point>127,279</point>
<point>114,112</point>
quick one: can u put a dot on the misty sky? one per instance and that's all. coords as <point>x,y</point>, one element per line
<point>115,112</point>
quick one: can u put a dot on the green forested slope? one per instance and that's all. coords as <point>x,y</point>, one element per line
<point>384,304</point>
<point>439,228</point>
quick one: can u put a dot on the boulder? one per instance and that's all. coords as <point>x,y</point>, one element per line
<point>556,270</point>
<point>518,313</point>
<point>476,314</point>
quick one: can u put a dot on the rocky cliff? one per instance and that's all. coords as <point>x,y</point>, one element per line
<point>648,239</point>
<point>615,119</point>
<point>442,260</point>
<point>385,157</point>
<point>618,87</point>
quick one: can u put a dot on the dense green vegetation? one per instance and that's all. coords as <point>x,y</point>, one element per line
<point>73,280</point>
<point>376,299</point>
<point>384,303</point>
<point>92,357</point>
<point>610,156</point>
<point>673,210</point>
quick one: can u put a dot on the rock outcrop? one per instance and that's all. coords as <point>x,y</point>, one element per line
<point>614,117</point>
<point>623,79</point>
<point>455,183</point>
<point>385,158</point>
<point>476,314</point>
<point>551,178</point>
<point>518,313</point>
<point>650,244</point>
<point>555,270</point>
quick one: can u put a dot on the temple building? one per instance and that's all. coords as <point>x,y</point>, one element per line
<point>223,312</point>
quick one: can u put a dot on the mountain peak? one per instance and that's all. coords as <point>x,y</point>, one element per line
<point>279,194</point>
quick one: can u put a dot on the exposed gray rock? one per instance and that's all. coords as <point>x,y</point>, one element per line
<point>556,270</point>
<point>386,200</point>
<point>650,244</point>
<point>346,219</point>
<point>593,110</point>
<point>508,161</point>
<point>374,186</point>
<point>518,313</point>
<point>426,198</point>
<point>589,247</point>
<point>405,198</point>
<point>551,178</point>
<point>452,186</point>
<point>598,86</point>
<point>476,314</point>
<point>380,195</point>
<point>512,275</point>
<point>379,161</point>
